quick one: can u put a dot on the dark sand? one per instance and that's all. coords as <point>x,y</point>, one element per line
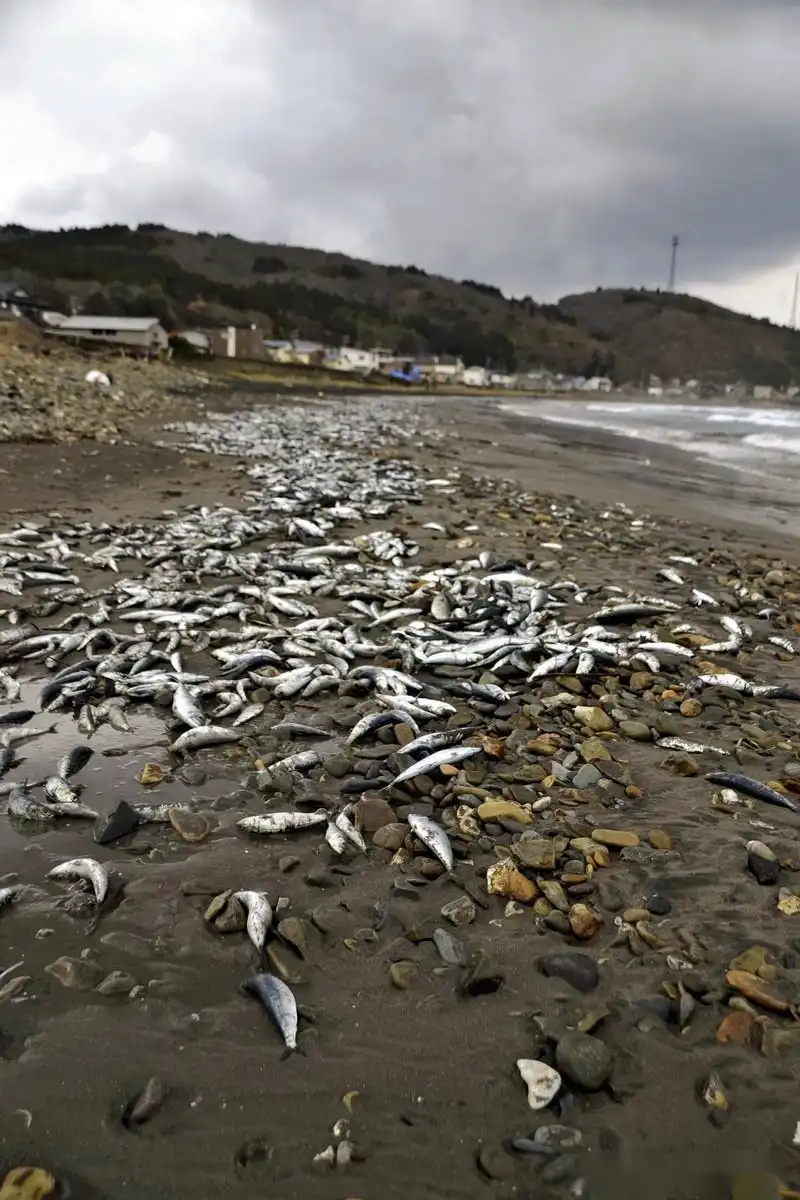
<point>434,1072</point>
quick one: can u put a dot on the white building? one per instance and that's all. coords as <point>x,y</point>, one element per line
<point>475,377</point>
<point>353,359</point>
<point>597,383</point>
<point>146,334</point>
<point>500,379</point>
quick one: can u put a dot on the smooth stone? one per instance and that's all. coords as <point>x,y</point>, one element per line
<point>287,863</point>
<point>558,1137</point>
<point>190,826</point>
<point>615,837</point>
<point>282,965</point>
<point>640,681</point>
<point>337,765</point>
<point>296,932</point>
<point>538,853</point>
<point>372,814</point>
<point>320,877</point>
<point>593,750</point>
<point>584,1060</point>
<point>658,904</point>
<point>584,921</point>
<point>587,776</point>
<point>450,949</point>
<point>637,731</point>
<point>481,977</point>
<point>228,917</point>
<point>403,734</point>
<point>403,974</point>
<point>659,839</point>
<point>119,823</point>
<point>390,837</point>
<point>682,765</point>
<point>116,983</point>
<point>461,911</point>
<point>558,921</point>
<point>77,973</point>
<point>543,1082</point>
<point>762,863</point>
<point>642,856</point>
<point>496,810</point>
<point>503,879</point>
<point>577,969</point>
<point>495,1163</point>
<point>555,893</point>
<point>594,718</point>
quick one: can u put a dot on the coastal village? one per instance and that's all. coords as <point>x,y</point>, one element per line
<point>27,323</point>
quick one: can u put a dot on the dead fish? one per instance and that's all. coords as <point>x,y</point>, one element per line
<point>156,814</point>
<point>702,599</point>
<point>440,740</point>
<point>434,837</point>
<point>345,826</point>
<point>377,720</point>
<point>24,806</point>
<point>279,1002</point>
<point>185,707</point>
<point>84,868</point>
<point>335,838</point>
<point>282,822</point>
<point>74,761</point>
<point>59,791</point>
<point>9,894</point>
<point>259,916</point>
<point>249,714</point>
<point>751,787</point>
<point>679,743</point>
<point>440,758</point>
<point>201,736</point>
<point>300,729</point>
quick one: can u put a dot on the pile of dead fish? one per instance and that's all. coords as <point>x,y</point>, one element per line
<point>230,616</point>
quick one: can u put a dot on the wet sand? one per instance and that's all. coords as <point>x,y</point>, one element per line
<point>433,1070</point>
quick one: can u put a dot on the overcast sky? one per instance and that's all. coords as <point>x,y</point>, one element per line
<point>545,147</point>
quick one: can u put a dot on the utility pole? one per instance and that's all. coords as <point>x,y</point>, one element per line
<point>673,262</point>
<point>793,317</point>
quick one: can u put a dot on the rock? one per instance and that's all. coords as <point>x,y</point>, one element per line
<point>754,961</point>
<point>481,977</point>
<point>190,826</point>
<point>594,750</point>
<point>636,730</point>
<point>78,973</point>
<point>337,766</point>
<point>640,681</point>
<point>555,893</point>
<point>681,764</point>
<point>372,813</point>
<point>557,920</point>
<point>461,911</point>
<point>587,776</point>
<point>403,734</point>
<point>584,921</point>
<point>642,856</point>
<point>451,950</point>
<point>117,983</point>
<point>128,943</point>
<point>321,877</point>
<point>756,990</point>
<point>503,879</point>
<point>788,903</point>
<point>226,914</point>
<point>543,1082</point>
<point>594,718</point>
<point>615,837</point>
<point>775,578</point>
<point>691,708</point>
<point>496,810</point>
<point>610,896</point>
<point>762,863</point>
<point>29,1183</point>
<point>584,1060</point>
<point>575,968</point>
<point>403,974</point>
<point>538,853</point>
<point>287,863</point>
<point>495,1163</point>
<point>14,987</point>
<point>738,1027</point>
<point>558,1137</point>
<point>282,964</point>
<point>390,837</point>
<point>659,839</point>
<point>658,904</point>
<point>119,823</point>
<point>151,774</point>
<point>296,932</point>
<point>546,746</point>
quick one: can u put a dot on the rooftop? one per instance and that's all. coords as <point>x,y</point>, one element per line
<point>108,324</point>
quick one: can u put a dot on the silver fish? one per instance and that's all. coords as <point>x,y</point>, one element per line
<point>282,822</point>
<point>185,707</point>
<point>448,756</point>
<point>279,1002</point>
<point>335,838</point>
<point>74,761</point>
<point>751,787</point>
<point>259,916</point>
<point>434,837</point>
<point>84,868</point>
<point>347,828</point>
<point>688,747</point>
<point>201,736</point>
<point>377,720</point>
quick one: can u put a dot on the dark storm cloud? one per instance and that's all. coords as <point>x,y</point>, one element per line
<point>542,147</point>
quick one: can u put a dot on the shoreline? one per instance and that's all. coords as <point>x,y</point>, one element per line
<point>429,1066</point>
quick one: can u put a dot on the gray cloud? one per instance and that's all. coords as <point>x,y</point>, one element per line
<point>543,148</point>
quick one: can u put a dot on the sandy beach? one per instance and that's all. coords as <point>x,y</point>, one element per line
<point>643,954</point>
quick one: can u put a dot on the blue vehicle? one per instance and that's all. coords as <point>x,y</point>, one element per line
<point>409,373</point>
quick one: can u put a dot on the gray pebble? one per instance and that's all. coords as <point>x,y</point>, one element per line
<point>583,1060</point>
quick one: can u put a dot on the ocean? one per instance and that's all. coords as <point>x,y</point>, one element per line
<point>755,439</point>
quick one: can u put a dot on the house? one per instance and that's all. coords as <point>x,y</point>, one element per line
<point>443,368</point>
<point>597,383</point>
<point>501,379</point>
<point>143,334</point>
<point>475,377</point>
<point>295,353</point>
<point>197,340</point>
<point>232,341</point>
<point>352,359</point>
<point>762,391</point>
<point>18,331</point>
<point>17,300</point>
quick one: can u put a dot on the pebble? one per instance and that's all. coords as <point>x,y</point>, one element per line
<point>558,1137</point>
<point>461,911</point>
<point>190,826</point>
<point>584,1060</point>
<point>587,776</point>
<point>390,837</point>
<point>495,1163</point>
<point>615,837</point>
<point>372,813</point>
<point>681,764</point>
<point>282,965</point>
<point>403,974</point>
<point>538,853</point>
<point>640,681</point>
<point>287,863</point>
<point>77,973</point>
<point>636,730</point>
<point>594,718</point>
<point>577,969</point>
<point>543,1082</point>
<point>117,983</point>
<point>658,904</point>
<point>296,932</point>
<point>584,921</point>
<point>659,839</point>
<point>558,921</point>
<point>691,708</point>
<point>610,896</point>
<point>337,766</point>
<point>321,877</point>
<point>29,1183</point>
<point>503,879</point>
<point>762,863</point>
<point>739,1028</point>
<point>555,893</point>
<point>481,977</point>
<point>450,949</point>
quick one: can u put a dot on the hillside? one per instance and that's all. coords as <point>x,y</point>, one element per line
<point>206,279</point>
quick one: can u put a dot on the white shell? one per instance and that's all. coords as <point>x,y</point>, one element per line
<point>543,1082</point>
